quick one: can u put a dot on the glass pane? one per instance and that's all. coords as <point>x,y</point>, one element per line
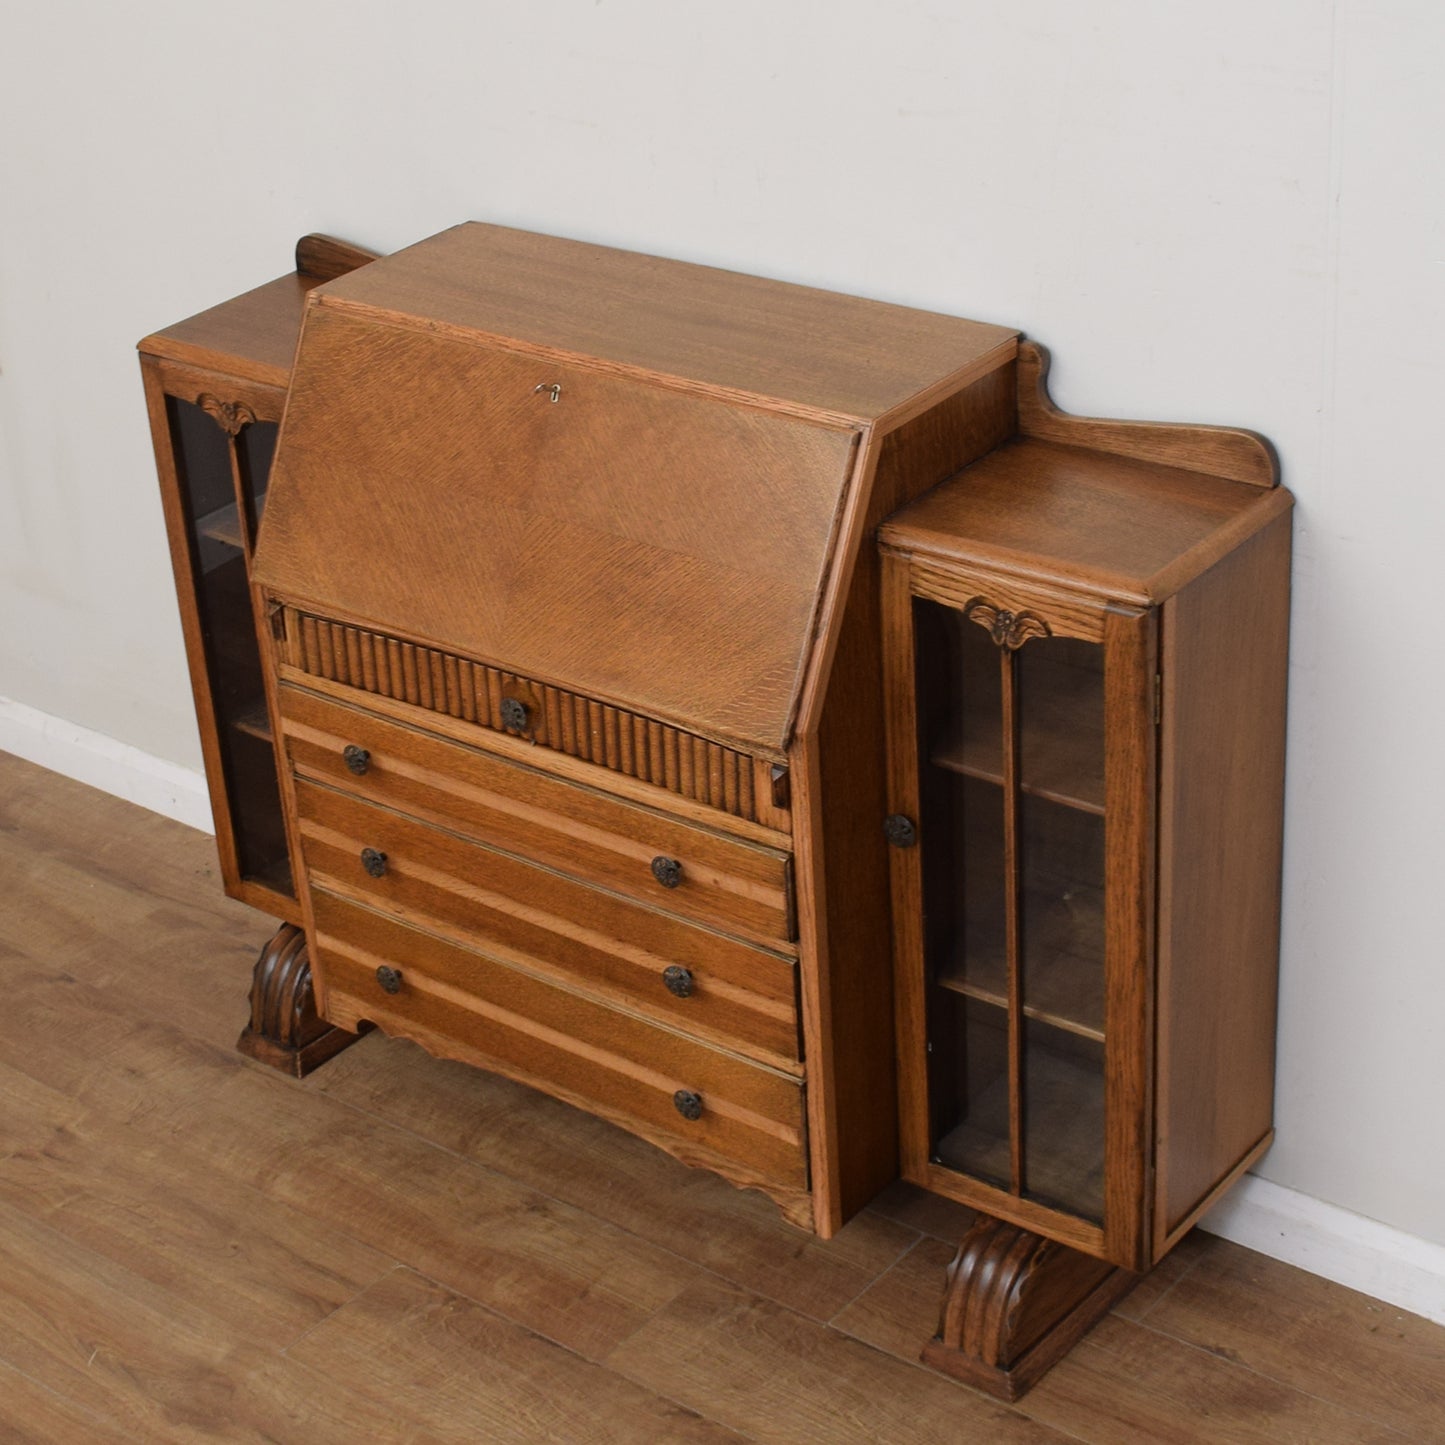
<point>964,894</point>
<point>255,448</point>
<point>1053,1107</point>
<point>1060,701</point>
<point>233,658</point>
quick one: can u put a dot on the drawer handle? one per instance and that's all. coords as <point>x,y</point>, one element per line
<point>667,871</point>
<point>688,1104</point>
<point>514,715</point>
<point>389,979</point>
<point>357,759</point>
<point>374,861</point>
<point>678,980</point>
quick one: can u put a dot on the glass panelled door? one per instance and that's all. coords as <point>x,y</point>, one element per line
<point>222,454</point>
<point>1011,788</point>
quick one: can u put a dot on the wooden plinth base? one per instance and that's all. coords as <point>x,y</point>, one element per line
<point>1014,1304</point>
<point>285,1030</point>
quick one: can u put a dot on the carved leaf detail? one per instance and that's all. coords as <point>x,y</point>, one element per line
<point>1009,630</point>
<point>230,416</point>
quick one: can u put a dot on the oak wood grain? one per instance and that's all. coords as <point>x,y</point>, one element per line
<point>588,939</point>
<point>460,1003</point>
<point>1123,529</point>
<point>729,333</point>
<point>1221,812</point>
<point>122,964</point>
<point>772,833</point>
<point>656,551</point>
<point>1131,661</point>
<point>851,1048</point>
<point>591,835</point>
<point>1244,456</point>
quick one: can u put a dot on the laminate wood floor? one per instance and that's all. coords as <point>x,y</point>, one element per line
<point>396,1249</point>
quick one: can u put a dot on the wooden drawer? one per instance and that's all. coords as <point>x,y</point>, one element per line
<point>455,1001</point>
<point>690,977</point>
<point>741,887</point>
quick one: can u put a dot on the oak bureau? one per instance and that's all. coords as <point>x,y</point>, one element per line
<point>563,699</point>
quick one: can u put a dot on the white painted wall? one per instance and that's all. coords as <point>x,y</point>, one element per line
<point>1224,212</point>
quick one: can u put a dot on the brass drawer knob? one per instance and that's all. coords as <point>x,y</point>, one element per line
<point>357,759</point>
<point>374,861</point>
<point>688,1104</point>
<point>389,979</point>
<point>678,980</point>
<point>667,871</point>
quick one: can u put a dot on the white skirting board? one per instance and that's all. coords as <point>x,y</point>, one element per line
<point>1351,1250</point>
<point>113,767</point>
<point>1324,1239</point>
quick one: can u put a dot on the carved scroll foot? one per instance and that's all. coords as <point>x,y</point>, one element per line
<point>1014,1304</point>
<point>285,1030</point>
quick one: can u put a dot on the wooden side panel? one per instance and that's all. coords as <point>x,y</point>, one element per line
<point>1225,643</point>
<point>1130,662</point>
<point>851,1045</point>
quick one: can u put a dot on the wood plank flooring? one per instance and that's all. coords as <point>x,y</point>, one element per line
<point>195,1248</point>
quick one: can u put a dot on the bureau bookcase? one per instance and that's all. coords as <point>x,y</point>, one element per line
<point>604,741</point>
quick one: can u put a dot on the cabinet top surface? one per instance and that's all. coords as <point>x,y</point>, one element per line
<point>252,336</point>
<point>792,347</point>
<point>1132,530</point>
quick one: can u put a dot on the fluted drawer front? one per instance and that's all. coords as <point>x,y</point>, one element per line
<point>460,1003</point>
<point>692,978</point>
<point>740,887</point>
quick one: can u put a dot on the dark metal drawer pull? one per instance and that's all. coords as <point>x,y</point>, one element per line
<point>678,980</point>
<point>389,979</point>
<point>667,871</point>
<point>514,715</point>
<point>374,861</point>
<point>356,759</point>
<point>688,1104</point>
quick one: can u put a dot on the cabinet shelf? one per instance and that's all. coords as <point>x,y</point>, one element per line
<point>222,525</point>
<point>1064,991</point>
<point>1063,1120</point>
<point>254,721</point>
<point>1061,741</point>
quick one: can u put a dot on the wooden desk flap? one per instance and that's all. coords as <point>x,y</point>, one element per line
<point>661,550</point>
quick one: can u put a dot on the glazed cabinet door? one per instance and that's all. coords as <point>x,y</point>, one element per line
<point>214,438</point>
<point>1022,777</point>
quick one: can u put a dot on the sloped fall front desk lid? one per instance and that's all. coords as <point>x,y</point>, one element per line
<point>657,541</point>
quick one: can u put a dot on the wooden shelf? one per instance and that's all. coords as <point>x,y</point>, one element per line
<point>1061,739</point>
<point>1061,990</point>
<point>254,721</point>
<point>1063,1134</point>
<point>222,525</point>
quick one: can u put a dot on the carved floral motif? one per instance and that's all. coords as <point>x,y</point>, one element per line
<point>230,416</point>
<point>1008,629</point>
